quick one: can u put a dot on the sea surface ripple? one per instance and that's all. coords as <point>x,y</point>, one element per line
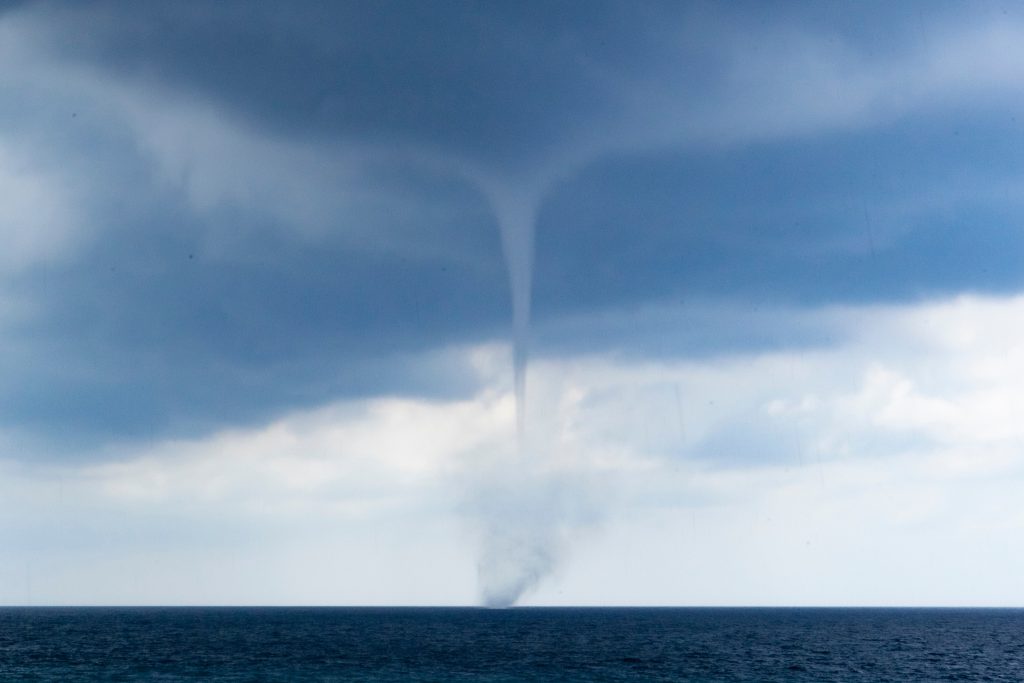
<point>526,644</point>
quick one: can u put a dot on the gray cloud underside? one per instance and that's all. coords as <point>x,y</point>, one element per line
<point>193,299</point>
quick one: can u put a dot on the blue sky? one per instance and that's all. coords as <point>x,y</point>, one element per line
<point>256,301</point>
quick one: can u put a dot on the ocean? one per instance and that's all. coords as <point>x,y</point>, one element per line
<point>523,644</point>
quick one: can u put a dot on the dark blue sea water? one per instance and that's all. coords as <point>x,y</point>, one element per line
<point>530,644</point>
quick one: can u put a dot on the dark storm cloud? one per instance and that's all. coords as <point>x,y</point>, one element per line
<point>503,83</point>
<point>489,80</point>
<point>894,213</point>
<point>147,330</point>
<point>222,285</point>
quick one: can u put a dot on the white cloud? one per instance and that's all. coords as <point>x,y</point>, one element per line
<point>897,482</point>
<point>349,460</point>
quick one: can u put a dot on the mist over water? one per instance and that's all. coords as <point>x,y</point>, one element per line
<point>528,513</point>
<point>520,545</point>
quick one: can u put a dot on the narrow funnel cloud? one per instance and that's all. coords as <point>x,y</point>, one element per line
<point>516,212</point>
